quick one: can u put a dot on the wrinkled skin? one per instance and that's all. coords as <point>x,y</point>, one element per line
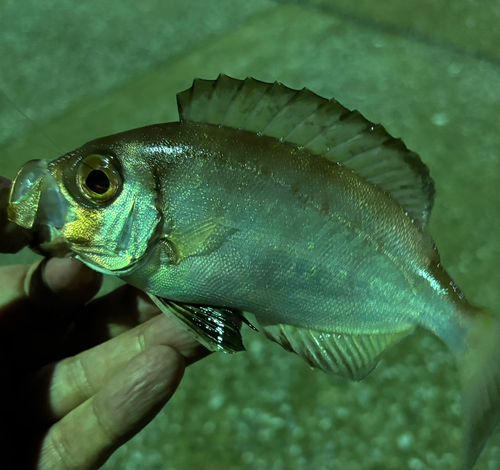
<point>79,376</point>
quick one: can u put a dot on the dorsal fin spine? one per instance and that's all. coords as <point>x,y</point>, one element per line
<point>322,127</point>
<point>251,110</point>
<point>279,113</point>
<point>305,118</point>
<point>240,86</point>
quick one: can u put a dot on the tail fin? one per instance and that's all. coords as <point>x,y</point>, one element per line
<point>479,367</point>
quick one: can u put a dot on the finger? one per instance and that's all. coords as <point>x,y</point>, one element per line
<point>85,438</point>
<point>31,295</point>
<point>65,281</point>
<point>12,236</point>
<point>63,386</point>
<point>100,320</point>
<point>37,306</point>
<point>111,315</point>
<point>12,281</point>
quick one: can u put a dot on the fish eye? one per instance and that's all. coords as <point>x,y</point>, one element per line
<point>98,182</point>
<point>97,179</point>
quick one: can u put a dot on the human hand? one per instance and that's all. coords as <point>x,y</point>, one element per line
<point>79,378</point>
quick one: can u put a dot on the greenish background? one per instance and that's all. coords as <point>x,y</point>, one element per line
<point>429,70</point>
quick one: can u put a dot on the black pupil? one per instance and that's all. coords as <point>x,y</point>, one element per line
<point>97,181</point>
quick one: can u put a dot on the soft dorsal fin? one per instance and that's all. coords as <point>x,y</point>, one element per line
<point>323,127</point>
<point>349,356</point>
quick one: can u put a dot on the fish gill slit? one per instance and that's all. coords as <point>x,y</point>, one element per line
<point>126,230</point>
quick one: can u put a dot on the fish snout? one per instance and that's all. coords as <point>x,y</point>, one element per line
<point>36,203</point>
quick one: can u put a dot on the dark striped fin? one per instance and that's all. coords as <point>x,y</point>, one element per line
<point>218,329</point>
<point>350,356</point>
<point>324,127</point>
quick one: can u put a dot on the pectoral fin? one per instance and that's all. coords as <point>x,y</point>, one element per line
<point>200,238</point>
<point>350,356</point>
<point>218,329</point>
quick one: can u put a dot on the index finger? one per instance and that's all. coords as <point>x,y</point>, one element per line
<point>12,237</point>
<point>49,290</point>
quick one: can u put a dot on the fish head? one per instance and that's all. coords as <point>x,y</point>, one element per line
<point>98,204</point>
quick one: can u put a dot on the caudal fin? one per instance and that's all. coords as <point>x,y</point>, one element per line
<point>479,367</point>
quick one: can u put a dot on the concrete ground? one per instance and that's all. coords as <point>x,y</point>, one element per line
<point>429,70</point>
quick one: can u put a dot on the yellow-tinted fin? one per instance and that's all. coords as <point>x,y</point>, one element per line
<point>323,127</point>
<point>350,356</point>
<point>198,238</point>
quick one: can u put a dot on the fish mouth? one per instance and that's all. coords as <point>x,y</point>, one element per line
<point>36,203</point>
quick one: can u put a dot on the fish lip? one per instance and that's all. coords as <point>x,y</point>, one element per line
<point>36,203</point>
<point>27,179</point>
<point>25,193</point>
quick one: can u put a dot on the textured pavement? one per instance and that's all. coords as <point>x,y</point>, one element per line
<point>428,70</point>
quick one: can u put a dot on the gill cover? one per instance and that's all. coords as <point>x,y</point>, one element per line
<point>79,204</point>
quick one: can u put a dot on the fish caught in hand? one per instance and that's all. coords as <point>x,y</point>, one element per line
<point>276,202</point>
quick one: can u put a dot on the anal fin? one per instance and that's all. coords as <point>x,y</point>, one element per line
<point>347,355</point>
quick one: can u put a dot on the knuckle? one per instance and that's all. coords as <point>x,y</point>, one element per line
<point>110,435</point>
<point>57,452</point>
<point>140,340</point>
<point>79,378</point>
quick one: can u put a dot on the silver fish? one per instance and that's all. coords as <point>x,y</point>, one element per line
<point>277,202</point>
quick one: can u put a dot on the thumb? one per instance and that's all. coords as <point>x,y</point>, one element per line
<point>47,289</point>
<point>61,281</point>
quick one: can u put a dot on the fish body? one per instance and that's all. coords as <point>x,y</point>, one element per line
<point>276,202</point>
<point>294,224</point>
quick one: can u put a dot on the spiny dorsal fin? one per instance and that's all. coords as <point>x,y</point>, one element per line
<point>350,356</point>
<point>324,127</point>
